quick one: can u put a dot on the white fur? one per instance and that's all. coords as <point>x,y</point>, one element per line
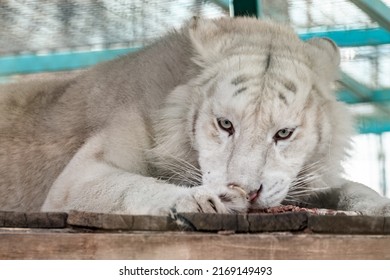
<point>152,141</point>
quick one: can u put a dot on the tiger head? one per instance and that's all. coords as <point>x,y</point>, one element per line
<point>262,115</point>
<point>266,117</point>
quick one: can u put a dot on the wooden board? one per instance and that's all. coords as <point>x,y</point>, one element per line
<point>118,222</point>
<point>52,244</point>
<point>81,235</point>
<point>244,223</point>
<point>33,220</point>
<point>240,223</point>
<point>346,224</point>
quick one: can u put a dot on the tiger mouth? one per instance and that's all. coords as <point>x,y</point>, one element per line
<point>251,196</point>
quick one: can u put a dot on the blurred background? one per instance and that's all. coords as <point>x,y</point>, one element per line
<point>41,37</point>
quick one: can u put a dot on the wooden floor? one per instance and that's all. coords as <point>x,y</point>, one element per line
<point>46,244</point>
<point>192,236</point>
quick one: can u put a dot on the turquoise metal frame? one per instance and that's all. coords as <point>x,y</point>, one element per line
<point>353,37</point>
<point>61,61</point>
<point>376,10</point>
<point>33,63</point>
<point>358,90</point>
<point>376,96</point>
<point>376,126</point>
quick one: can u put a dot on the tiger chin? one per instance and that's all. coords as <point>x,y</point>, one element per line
<point>221,116</point>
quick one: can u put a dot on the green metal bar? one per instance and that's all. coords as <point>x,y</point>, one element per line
<point>359,90</point>
<point>353,37</point>
<point>363,93</point>
<point>376,126</point>
<point>348,97</point>
<point>259,9</point>
<point>376,10</point>
<point>33,63</point>
<point>246,7</point>
<point>376,95</point>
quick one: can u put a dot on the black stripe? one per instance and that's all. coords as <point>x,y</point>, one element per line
<point>319,127</point>
<point>268,63</point>
<point>290,86</point>
<point>240,90</point>
<point>239,80</point>
<point>283,98</point>
<point>194,120</point>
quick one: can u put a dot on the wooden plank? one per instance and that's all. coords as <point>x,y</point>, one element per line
<point>250,223</point>
<point>192,222</point>
<point>190,245</point>
<point>347,224</point>
<point>121,222</point>
<point>279,222</point>
<point>213,222</point>
<point>33,220</point>
<point>386,229</point>
<point>246,223</point>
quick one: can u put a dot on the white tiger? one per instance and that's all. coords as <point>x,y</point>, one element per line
<point>221,116</point>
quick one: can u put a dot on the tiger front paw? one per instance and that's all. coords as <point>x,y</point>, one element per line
<point>212,200</point>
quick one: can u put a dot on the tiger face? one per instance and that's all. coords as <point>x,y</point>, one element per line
<point>264,119</point>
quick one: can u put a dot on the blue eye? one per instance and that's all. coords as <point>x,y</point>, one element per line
<point>226,125</point>
<point>283,134</point>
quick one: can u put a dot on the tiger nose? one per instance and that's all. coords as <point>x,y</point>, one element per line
<point>253,195</point>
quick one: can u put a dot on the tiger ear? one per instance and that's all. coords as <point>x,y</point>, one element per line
<point>326,56</point>
<point>206,38</point>
<point>329,47</point>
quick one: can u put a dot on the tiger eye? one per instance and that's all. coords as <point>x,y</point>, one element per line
<point>226,125</point>
<point>283,134</point>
